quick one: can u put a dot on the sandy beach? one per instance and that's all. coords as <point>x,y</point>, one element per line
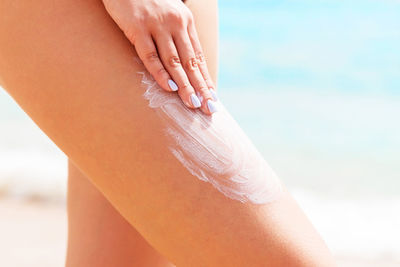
<point>32,233</point>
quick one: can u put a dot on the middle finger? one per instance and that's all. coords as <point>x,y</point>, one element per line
<point>190,65</point>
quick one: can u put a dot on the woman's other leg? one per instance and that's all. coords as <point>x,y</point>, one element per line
<point>72,71</point>
<point>97,234</point>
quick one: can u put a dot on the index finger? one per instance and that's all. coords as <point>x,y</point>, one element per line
<point>148,53</point>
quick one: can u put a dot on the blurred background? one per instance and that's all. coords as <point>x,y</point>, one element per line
<point>315,84</point>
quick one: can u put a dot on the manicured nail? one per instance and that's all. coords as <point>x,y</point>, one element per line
<point>195,101</point>
<point>214,94</point>
<point>212,107</point>
<point>172,85</point>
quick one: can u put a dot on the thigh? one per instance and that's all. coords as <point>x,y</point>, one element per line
<point>71,69</point>
<point>97,234</point>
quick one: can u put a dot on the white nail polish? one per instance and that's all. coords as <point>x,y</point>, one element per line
<point>172,85</point>
<point>212,107</point>
<point>195,101</point>
<point>214,94</point>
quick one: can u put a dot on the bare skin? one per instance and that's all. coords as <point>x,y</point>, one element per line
<point>76,79</point>
<point>90,241</point>
<point>98,235</point>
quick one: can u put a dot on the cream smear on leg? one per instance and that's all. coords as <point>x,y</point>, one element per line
<point>213,148</point>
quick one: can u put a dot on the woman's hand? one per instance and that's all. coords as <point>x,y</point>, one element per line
<point>165,38</point>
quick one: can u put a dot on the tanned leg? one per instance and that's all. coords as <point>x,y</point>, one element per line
<point>71,69</point>
<point>97,234</point>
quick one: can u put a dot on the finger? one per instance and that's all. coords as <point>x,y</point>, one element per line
<point>189,63</point>
<point>198,51</point>
<point>147,52</point>
<point>171,61</point>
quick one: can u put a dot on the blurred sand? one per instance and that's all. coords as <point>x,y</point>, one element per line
<point>34,234</point>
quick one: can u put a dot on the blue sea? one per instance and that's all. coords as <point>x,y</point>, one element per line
<point>316,85</point>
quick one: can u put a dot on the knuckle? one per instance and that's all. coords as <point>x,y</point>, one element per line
<point>190,16</point>
<point>139,19</point>
<point>151,56</point>
<point>200,58</point>
<point>176,16</point>
<point>204,91</point>
<point>186,86</point>
<point>208,80</point>
<point>161,71</point>
<point>188,13</point>
<point>131,35</point>
<point>149,16</point>
<point>174,61</point>
<point>191,64</point>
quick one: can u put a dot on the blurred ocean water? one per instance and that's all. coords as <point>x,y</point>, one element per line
<point>316,85</point>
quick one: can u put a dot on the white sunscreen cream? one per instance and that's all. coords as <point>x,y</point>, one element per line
<point>213,147</point>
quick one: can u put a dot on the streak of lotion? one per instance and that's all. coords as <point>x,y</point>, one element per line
<point>213,148</point>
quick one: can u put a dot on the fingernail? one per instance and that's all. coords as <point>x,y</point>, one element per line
<point>212,107</point>
<point>195,101</point>
<point>214,94</point>
<point>172,85</point>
